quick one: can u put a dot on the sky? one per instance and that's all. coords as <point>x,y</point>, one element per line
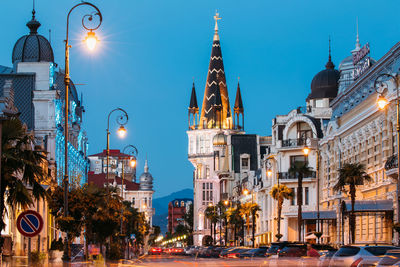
<point>150,51</point>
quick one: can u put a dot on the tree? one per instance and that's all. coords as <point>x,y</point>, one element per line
<point>300,169</point>
<point>280,192</point>
<point>22,169</point>
<point>221,218</point>
<point>254,209</point>
<point>188,219</point>
<point>351,174</point>
<point>212,215</point>
<point>235,220</point>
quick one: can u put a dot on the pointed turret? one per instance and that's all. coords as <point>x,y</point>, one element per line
<point>193,115</point>
<point>216,92</point>
<point>238,109</point>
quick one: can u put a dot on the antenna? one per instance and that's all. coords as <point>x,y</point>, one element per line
<point>50,36</point>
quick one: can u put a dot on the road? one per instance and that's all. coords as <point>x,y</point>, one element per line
<point>180,261</point>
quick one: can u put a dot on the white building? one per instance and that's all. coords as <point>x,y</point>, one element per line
<point>226,160</point>
<point>39,90</point>
<point>301,127</point>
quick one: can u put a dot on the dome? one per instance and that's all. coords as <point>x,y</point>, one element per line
<point>325,83</point>
<point>220,139</point>
<point>32,47</point>
<point>146,179</point>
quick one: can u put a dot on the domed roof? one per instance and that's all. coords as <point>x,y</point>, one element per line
<point>146,179</point>
<point>220,139</point>
<point>325,83</point>
<point>32,47</point>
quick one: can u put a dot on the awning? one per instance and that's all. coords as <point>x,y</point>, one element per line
<point>323,215</point>
<point>370,205</point>
<point>312,236</point>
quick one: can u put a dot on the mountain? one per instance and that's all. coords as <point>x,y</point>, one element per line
<point>161,207</point>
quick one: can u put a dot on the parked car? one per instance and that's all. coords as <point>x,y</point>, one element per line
<point>155,251</point>
<point>177,251</point>
<point>192,250</point>
<point>391,258</point>
<point>293,251</point>
<point>234,254</point>
<point>276,247</point>
<point>206,252</point>
<point>224,252</point>
<point>256,252</point>
<point>216,251</point>
<point>358,255</point>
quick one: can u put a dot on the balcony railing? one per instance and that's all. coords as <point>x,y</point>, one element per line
<point>391,162</point>
<point>290,175</point>
<point>294,142</point>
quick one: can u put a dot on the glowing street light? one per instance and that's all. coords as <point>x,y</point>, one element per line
<point>382,102</point>
<point>91,40</point>
<point>121,131</point>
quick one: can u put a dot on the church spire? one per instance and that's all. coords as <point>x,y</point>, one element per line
<point>329,64</point>
<point>238,109</point>
<point>358,46</point>
<point>216,91</point>
<point>193,110</point>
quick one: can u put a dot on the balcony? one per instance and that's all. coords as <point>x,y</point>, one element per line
<point>294,176</point>
<point>391,166</point>
<point>294,142</point>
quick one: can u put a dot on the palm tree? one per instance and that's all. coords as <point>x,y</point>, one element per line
<point>247,210</point>
<point>235,219</point>
<point>280,192</point>
<point>212,215</point>
<point>351,174</point>
<point>221,218</point>
<point>253,209</point>
<point>300,169</point>
<point>23,168</point>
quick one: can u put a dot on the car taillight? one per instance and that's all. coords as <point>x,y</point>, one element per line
<point>356,262</point>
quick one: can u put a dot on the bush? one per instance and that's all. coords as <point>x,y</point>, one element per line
<point>37,257</point>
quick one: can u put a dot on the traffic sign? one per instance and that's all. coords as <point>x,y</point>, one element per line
<point>29,223</point>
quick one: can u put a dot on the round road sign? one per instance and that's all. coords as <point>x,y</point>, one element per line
<point>29,223</point>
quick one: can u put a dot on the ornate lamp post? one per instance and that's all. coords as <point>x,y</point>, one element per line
<point>382,102</point>
<point>91,41</point>
<point>133,151</point>
<point>122,119</point>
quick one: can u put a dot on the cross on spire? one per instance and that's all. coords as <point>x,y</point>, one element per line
<point>216,18</point>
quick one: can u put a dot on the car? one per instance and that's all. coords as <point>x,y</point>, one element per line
<point>276,247</point>
<point>234,254</point>
<point>293,251</point>
<point>224,252</point>
<point>177,251</point>
<point>206,252</point>
<point>155,251</point>
<point>256,252</point>
<point>192,250</point>
<point>391,258</point>
<point>216,251</point>
<point>358,255</point>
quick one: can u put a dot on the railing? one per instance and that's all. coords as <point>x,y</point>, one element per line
<point>290,175</point>
<point>294,142</point>
<point>391,162</point>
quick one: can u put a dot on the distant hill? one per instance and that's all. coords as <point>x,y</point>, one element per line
<point>161,207</point>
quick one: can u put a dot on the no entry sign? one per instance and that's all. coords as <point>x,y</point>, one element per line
<point>29,223</point>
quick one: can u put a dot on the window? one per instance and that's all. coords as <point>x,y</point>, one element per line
<point>133,201</point>
<point>216,160</point>
<point>306,196</point>
<point>145,200</point>
<point>207,193</point>
<point>245,163</point>
<point>207,172</point>
<point>294,159</point>
<point>293,199</point>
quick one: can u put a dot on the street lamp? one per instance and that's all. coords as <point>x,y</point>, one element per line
<point>382,102</point>
<point>130,150</point>
<point>306,151</point>
<point>67,81</point>
<point>122,119</point>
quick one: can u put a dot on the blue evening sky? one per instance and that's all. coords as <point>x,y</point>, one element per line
<point>151,50</point>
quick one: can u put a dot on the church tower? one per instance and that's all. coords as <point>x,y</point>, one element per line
<point>209,137</point>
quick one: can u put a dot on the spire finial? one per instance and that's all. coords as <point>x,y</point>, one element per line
<point>358,46</point>
<point>330,58</point>
<point>216,18</point>
<point>33,11</point>
<point>146,165</point>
